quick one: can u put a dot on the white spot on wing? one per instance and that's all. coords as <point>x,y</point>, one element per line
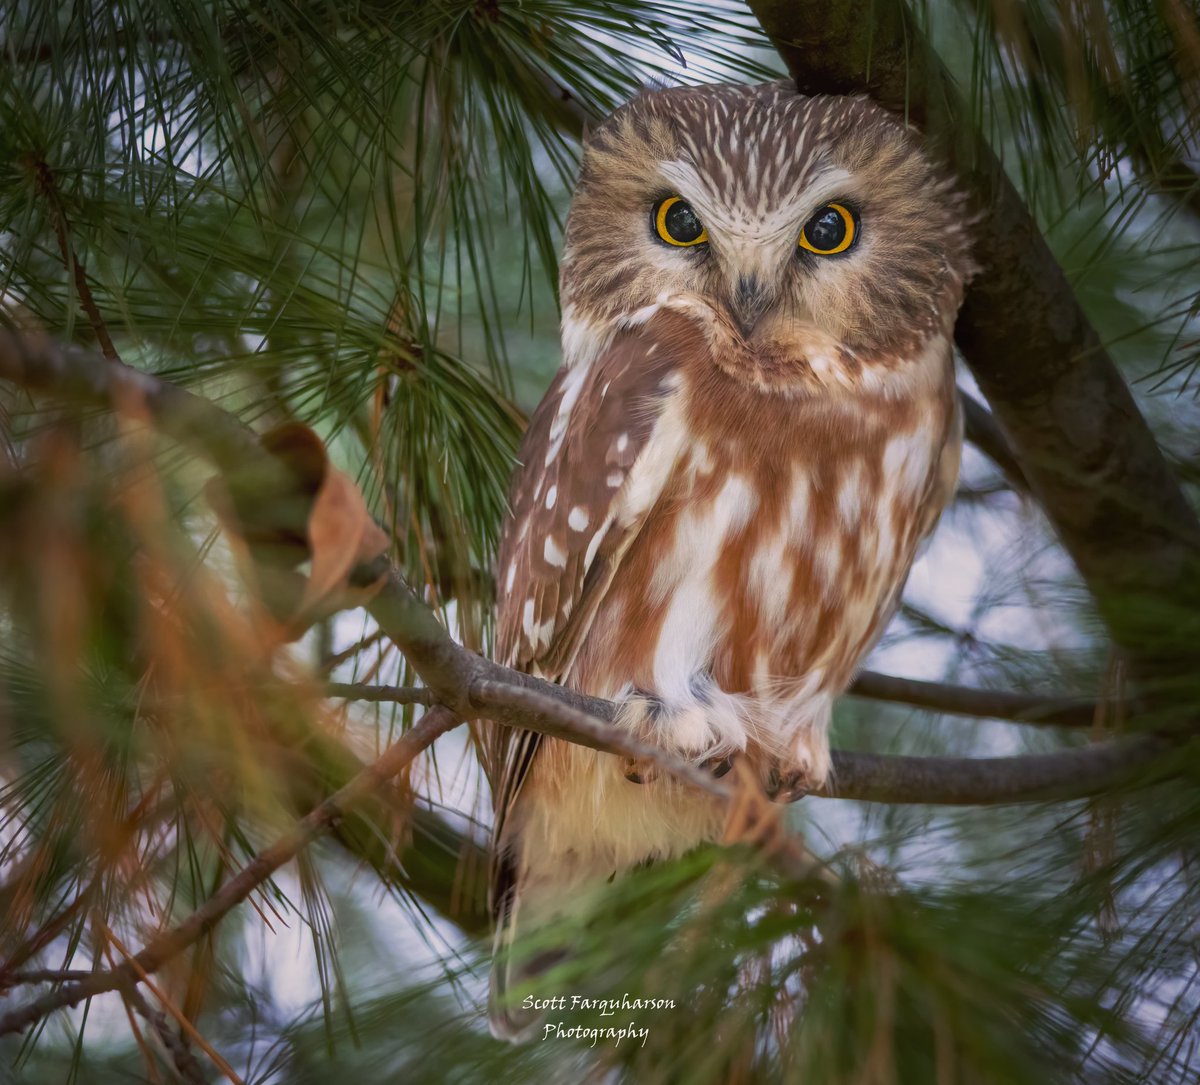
<point>577,520</point>
<point>553,555</point>
<point>701,458</point>
<point>551,496</point>
<point>655,464</point>
<point>827,560</point>
<point>594,545</point>
<point>572,385</point>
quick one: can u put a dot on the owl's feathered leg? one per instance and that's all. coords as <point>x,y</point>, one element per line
<point>648,716</point>
<point>784,739</point>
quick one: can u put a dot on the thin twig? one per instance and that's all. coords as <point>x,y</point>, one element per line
<point>185,1025</point>
<point>44,179</point>
<point>983,431</point>
<point>1031,708</point>
<point>338,658</point>
<point>364,691</point>
<point>186,1064</point>
<point>43,975</point>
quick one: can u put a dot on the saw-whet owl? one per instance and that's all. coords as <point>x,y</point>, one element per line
<point>719,499</point>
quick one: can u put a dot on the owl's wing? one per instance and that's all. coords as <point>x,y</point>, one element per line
<point>945,477</point>
<point>597,453</point>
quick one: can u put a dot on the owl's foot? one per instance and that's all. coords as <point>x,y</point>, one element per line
<point>639,771</point>
<point>785,787</point>
<point>691,731</point>
<point>807,769</point>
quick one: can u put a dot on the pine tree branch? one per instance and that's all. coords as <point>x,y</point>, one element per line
<point>991,704</point>
<point>994,704</point>
<point>319,821</point>
<point>888,778</point>
<point>40,364</point>
<point>1089,456</point>
<point>41,975</point>
<point>46,186</point>
<point>364,691</point>
<point>1040,45</point>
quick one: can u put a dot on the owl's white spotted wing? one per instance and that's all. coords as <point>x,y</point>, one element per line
<point>945,479</point>
<point>598,449</point>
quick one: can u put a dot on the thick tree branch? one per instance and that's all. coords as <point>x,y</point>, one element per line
<point>172,942</point>
<point>1088,454</point>
<point>995,781</point>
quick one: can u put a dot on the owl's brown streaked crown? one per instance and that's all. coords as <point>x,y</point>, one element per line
<point>756,162</point>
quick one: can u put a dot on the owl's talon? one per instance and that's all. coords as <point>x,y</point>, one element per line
<point>718,766</point>
<point>795,787</point>
<point>786,787</point>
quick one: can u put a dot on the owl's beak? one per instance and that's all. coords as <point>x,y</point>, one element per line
<point>750,300</point>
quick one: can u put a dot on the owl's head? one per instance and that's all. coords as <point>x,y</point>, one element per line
<point>784,213</point>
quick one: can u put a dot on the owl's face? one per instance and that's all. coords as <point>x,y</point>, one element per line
<point>788,215</point>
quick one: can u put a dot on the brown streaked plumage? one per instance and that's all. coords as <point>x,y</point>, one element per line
<point>721,495</point>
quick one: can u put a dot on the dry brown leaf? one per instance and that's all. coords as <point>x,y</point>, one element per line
<point>341,534</point>
<point>340,531</point>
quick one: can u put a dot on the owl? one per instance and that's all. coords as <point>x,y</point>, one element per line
<point>720,496</point>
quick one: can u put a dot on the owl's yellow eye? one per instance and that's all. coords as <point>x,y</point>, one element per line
<point>677,224</point>
<point>830,231</point>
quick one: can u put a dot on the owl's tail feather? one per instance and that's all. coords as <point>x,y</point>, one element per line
<point>510,1020</point>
